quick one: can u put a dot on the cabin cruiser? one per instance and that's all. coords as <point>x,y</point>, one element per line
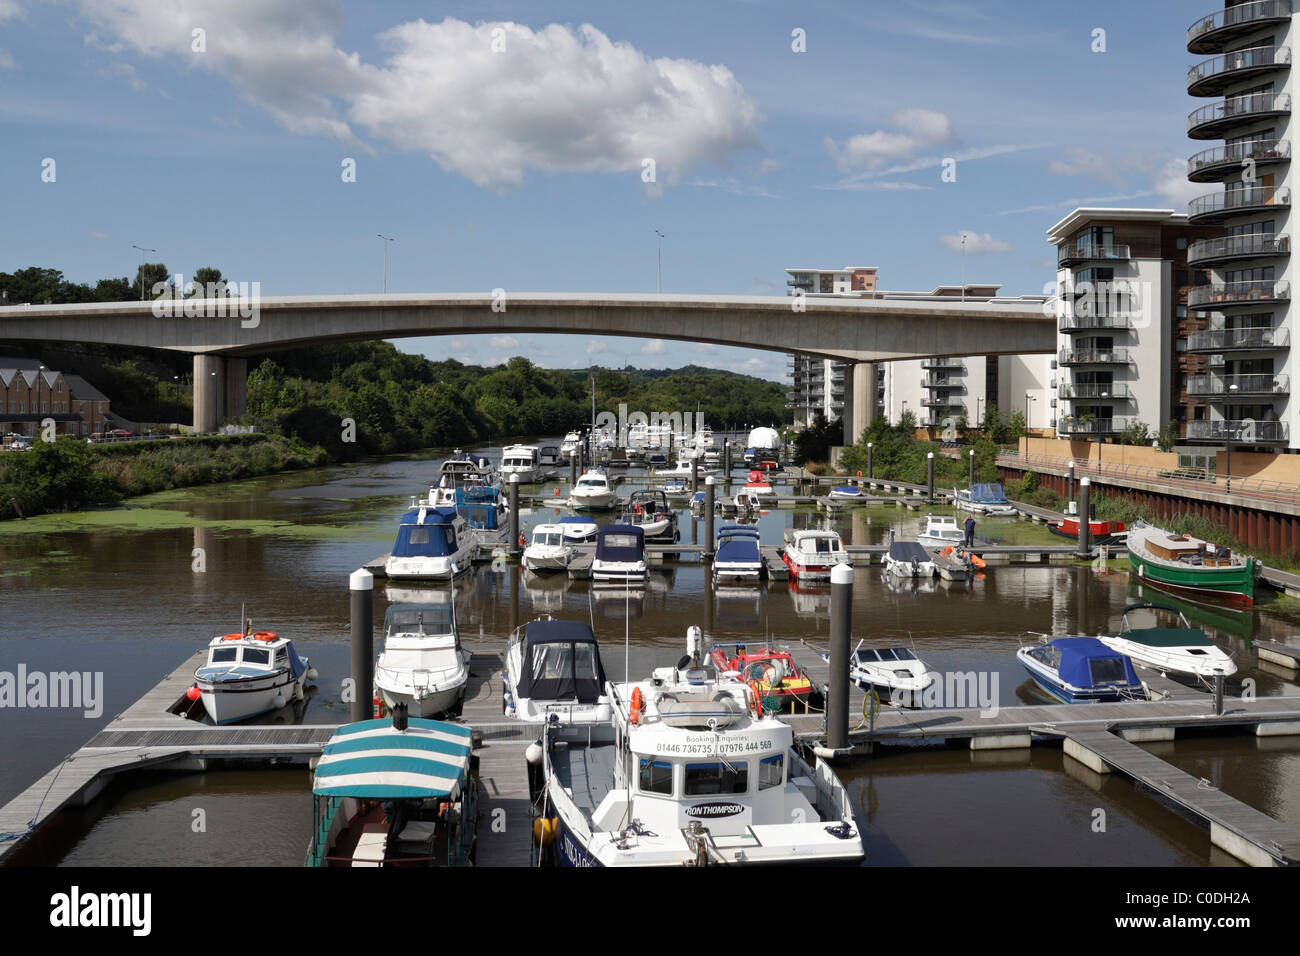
<point>941,529</point>
<point>984,499</point>
<point>1182,650</point>
<point>461,465</point>
<point>451,490</point>
<point>894,673</point>
<point>550,455</point>
<point>571,446</point>
<point>431,543</point>
<point>737,556</point>
<point>907,559</point>
<point>620,556</point>
<point>698,772</point>
<point>422,664</point>
<point>549,550</point>
<point>1081,669</point>
<point>484,509</point>
<point>578,527</point>
<point>249,673</point>
<point>649,511</point>
<point>521,461</point>
<point>746,502</point>
<point>593,492</point>
<point>810,555</point>
<point>553,668</point>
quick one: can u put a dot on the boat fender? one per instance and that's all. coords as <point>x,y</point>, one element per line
<point>637,707</point>
<point>832,753</point>
<point>758,698</point>
<point>533,753</point>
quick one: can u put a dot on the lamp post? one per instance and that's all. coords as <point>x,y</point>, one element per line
<point>387,240</point>
<point>1029,397</point>
<point>1228,434</point>
<point>963,266</point>
<point>142,252</point>
<point>659,284</point>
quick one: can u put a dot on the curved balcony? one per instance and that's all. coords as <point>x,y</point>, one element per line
<point>1089,252</point>
<point>1086,391</point>
<point>948,363</point>
<point>1246,431</point>
<point>1222,162</point>
<point>1209,34</point>
<point>1090,323</point>
<point>1238,293</point>
<point>951,384</point>
<point>1238,247</point>
<point>1238,340</point>
<point>1093,357</point>
<point>1214,119</point>
<point>1238,386</point>
<point>1219,72</point>
<point>1218,207</point>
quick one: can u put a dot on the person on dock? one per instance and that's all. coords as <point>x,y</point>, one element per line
<point>970,530</point>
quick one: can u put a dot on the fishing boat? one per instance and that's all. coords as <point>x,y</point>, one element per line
<point>941,529</point>
<point>1181,650</point>
<point>249,673</point>
<point>907,559</point>
<point>399,793</point>
<point>846,493</point>
<point>520,461</point>
<point>698,772</point>
<point>1195,568</point>
<point>810,554</point>
<point>421,663</point>
<point>894,673</point>
<point>620,556</point>
<point>772,670</point>
<point>578,527</point>
<point>432,543</point>
<point>758,484</point>
<point>554,668</point>
<point>1081,669</point>
<point>737,557</point>
<point>549,549</point>
<point>593,492</point>
<point>983,499</point>
<point>649,510</point>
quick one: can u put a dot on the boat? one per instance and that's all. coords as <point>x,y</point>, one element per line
<point>737,557</point>
<point>1181,650</point>
<point>894,673</point>
<point>421,663</point>
<point>550,455</point>
<point>520,461</point>
<point>649,511</point>
<point>460,465</point>
<point>955,563</point>
<point>747,502</point>
<point>484,509</point>
<point>810,555</point>
<point>431,543</point>
<point>763,448</point>
<point>846,492</point>
<point>1099,532</point>
<point>983,499</point>
<point>695,771</point>
<point>675,488</point>
<point>554,668</point>
<point>620,556</point>
<point>772,669</point>
<point>578,527</point>
<point>941,529</point>
<point>399,793</point>
<point>908,559</point>
<point>681,468</point>
<point>1081,669</point>
<point>1191,566</point>
<point>572,445</point>
<point>593,492</point>
<point>550,549</point>
<point>249,673</point>
<point>758,484</point>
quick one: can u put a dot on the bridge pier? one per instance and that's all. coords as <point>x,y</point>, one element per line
<point>220,390</point>
<point>863,397</point>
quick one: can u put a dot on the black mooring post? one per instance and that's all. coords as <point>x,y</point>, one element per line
<point>837,703</point>
<point>1085,530</point>
<point>361,585</point>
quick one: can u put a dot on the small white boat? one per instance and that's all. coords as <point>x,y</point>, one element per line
<point>461,465</point>
<point>593,492</point>
<point>954,563</point>
<point>983,499</point>
<point>737,556</point>
<point>675,488</point>
<point>249,673</point>
<point>649,511</point>
<point>571,445</point>
<point>1181,650</point>
<point>421,663</point>
<point>758,484</point>
<point>553,668</point>
<point>521,461</point>
<point>810,555</point>
<point>846,492</point>
<point>550,549</point>
<point>747,502</point>
<point>432,543</point>
<point>907,559</point>
<point>941,529</point>
<point>681,469</point>
<point>895,673</point>
<point>579,527</point>
<point>620,556</point>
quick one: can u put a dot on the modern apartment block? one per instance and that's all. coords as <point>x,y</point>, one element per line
<point>817,385</point>
<point>1123,321</point>
<point>1245,380</point>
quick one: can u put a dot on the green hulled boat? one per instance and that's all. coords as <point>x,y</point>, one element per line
<point>1190,566</point>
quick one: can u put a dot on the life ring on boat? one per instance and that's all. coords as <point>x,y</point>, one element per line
<point>638,706</point>
<point>758,698</point>
<point>264,636</point>
<point>233,637</point>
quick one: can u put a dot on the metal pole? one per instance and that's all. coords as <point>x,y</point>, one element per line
<point>726,458</point>
<point>970,477</point>
<point>929,476</point>
<point>514,514</point>
<point>837,703</point>
<point>1218,691</point>
<point>1071,466</point>
<point>869,472</point>
<point>709,492</point>
<point>573,471</point>
<point>1085,529</point>
<point>695,475</point>
<point>361,585</point>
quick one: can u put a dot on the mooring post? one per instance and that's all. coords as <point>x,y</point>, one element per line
<point>1085,529</point>
<point>726,458</point>
<point>515,547</point>
<point>929,476</point>
<point>869,472</point>
<point>837,703</point>
<point>361,585</point>
<point>709,492</point>
<point>573,471</point>
<point>695,474</point>
<point>970,470</point>
<point>1218,691</point>
<point>1071,467</point>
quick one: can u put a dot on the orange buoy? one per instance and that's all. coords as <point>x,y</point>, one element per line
<point>233,637</point>
<point>264,636</point>
<point>637,708</point>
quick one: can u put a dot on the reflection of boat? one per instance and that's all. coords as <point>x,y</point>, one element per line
<point>421,663</point>
<point>394,794</point>
<point>810,555</point>
<point>431,543</point>
<point>554,667</point>
<point>893,672</point>
<point>737,557</point>
<point>593,492</point>
<point>985,499</point>
<point>1190,565</point>
<point>772,669</point>
<point>1081,669</point>
<point>1183,650</point>
<point>907,559</point>
<point>620,556</point>
<point>809,598</point>
<point>249,674</point>
<point>545,591</point>
<point>549,550</point>
<point>1224,618</point>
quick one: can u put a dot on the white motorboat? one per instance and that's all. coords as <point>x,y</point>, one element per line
<point>692,771</point>
<point>737,556</point>
<point>907,559</point>
<point>681,468</point>
<point>955,563</point>
<point>553,668</point>
<point>747,502</point>
<point>1182,650</point>
<point>894,673</point>
<point>1081,670</point>
<point>461,465</point>
<point>846,493</point>
<point>941,529</point>
<point>810,554</point>
<point>549,455</point>
<point>549,550</point>
<point>758,484</point>
<point>984,499</point>
<point>620,556</point>
<point>249,673</point>
<point>579,527</point>
<point>431,543</point>
<point>521,461</point>
<point>421,663</point>
<point>649,511</point>
<point>593,492</point>
<point>571,445</point>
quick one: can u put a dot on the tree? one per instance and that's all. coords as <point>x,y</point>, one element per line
<point>149,275</point>
<point>1016,427</point>
<point>205,277</point>
<point>993,423</point>
<point>1135,433</point>
<point>1168,436</point>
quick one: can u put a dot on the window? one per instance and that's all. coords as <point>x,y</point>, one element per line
<point>655,776</point>
<point>771,772</point>
<point>1181,242</point>
<point>709,779</point>
<point>256,655</point>
<point>224,654</point>
<point>1108,670</point>
<point>419,536</point>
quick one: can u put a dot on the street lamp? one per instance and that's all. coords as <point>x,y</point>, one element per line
<point>1029,397</point>
<point>659,285</point>
<point>963,266</point>
<point>142,252</point>
<point>1229,432</point>
<point>387,240</point>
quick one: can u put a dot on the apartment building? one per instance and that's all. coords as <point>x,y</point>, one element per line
<point>817,385</point>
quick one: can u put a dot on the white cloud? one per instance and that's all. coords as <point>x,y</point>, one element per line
<point>504,342</point>
<point>881,184</point>
<point>1074,202</point>
<point>976,244</point>
<point>9,9</point>
<point>913,130</point>
<point>653,347</point>
<point>96,234</point>
<point>1105,167</point>
<point>594,347</point>
<point>6,60</point>
<point>767,166</point>
<point>127,72</point>
<point>1172,185</point>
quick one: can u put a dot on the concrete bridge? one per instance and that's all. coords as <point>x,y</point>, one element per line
<point>221,335</point>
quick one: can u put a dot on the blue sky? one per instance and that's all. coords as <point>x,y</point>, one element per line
<point>522,169</point>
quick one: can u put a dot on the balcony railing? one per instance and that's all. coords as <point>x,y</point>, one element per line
<point>1231,386</point>
<point>1204,122</point>
<point>1262,151</point>
<point>1207,33</point>
<point>1228,340</point>
<point>1095,426</point>
<point>1086,251</point>
<point>1212,75</point>
<point>1238,247</point>
<point>931,381</point>
<point>1093,357</point>
<point>1238,293</point>
<point>1231,202</point>
<point>1246,431</point>
<point>1086,390</point>
<point>942,403</point>
<point>1084,323</point>
<point>942,363</point>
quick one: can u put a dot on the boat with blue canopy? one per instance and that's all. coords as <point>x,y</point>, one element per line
<point>399,793</point>
<point>1082,669</point>
<point>431,543</point>
<point>983,499</point>
<point>620,556</point>
<point>737,557</point>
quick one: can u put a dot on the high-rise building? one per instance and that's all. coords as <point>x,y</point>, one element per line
<point>817,385</point>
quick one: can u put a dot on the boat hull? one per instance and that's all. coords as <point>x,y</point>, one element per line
<point>438,702</point>
<point>1234,585</point>
<point>1055,687</point>
<point>228,702</point>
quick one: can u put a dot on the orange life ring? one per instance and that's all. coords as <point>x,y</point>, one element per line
<point>638,706</point>
<point>758,698</point>
<point>264,636</point>
<point>233,637</point>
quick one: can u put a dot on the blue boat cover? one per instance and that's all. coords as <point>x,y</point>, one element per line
<point>988,494</point>
<point>372,760</point>
<point>485,515</point>
<point>435,538</point>
<point>737,544</point>
<point>620,542</point>
<point>1076,665</point>
<point>577,519</point>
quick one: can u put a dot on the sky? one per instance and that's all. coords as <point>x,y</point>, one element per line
<point>505,145</point>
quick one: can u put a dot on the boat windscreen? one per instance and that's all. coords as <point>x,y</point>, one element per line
<point>988,494</point>
<point>412,619</point>
<point>425,541</point>
<point>1107,670</point>
<point>563,671</point>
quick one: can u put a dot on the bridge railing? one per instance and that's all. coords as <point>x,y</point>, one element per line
<point>1263,489</point>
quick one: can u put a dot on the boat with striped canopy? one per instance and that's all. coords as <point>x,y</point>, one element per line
<point>399,793</point>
